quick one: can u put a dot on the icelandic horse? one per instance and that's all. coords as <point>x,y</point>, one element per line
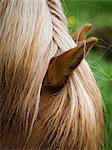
<point>49,98</point>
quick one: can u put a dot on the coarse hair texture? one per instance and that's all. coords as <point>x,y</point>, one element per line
<point>32,32</point>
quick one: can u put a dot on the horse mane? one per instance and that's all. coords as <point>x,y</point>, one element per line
<point>31,34</point>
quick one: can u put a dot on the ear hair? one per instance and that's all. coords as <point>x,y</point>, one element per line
<point>61,67</point>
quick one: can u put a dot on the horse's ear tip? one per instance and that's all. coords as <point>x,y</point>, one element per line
<point>96,39</point>
<point>88,26</point>
<point>93,39</point>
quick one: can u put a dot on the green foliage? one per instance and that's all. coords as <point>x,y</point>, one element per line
<point>79,12</point>
<point>98,13</point>
<point>102,70</point>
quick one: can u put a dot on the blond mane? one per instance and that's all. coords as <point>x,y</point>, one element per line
<point>32,32</point>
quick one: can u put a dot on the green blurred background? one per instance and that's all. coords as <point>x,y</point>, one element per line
<point>99,13</point>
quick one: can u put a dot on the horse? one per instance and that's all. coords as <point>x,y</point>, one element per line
<point>49,98</point>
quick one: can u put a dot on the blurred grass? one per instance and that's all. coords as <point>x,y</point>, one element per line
<point>98,13</point>
<point>102,71</point>
<point>79,12</point>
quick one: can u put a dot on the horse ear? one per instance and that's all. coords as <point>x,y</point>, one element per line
<point>80,34</point>
<point>61,67</point>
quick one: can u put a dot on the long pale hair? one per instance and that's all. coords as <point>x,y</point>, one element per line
<point>32,32</point>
